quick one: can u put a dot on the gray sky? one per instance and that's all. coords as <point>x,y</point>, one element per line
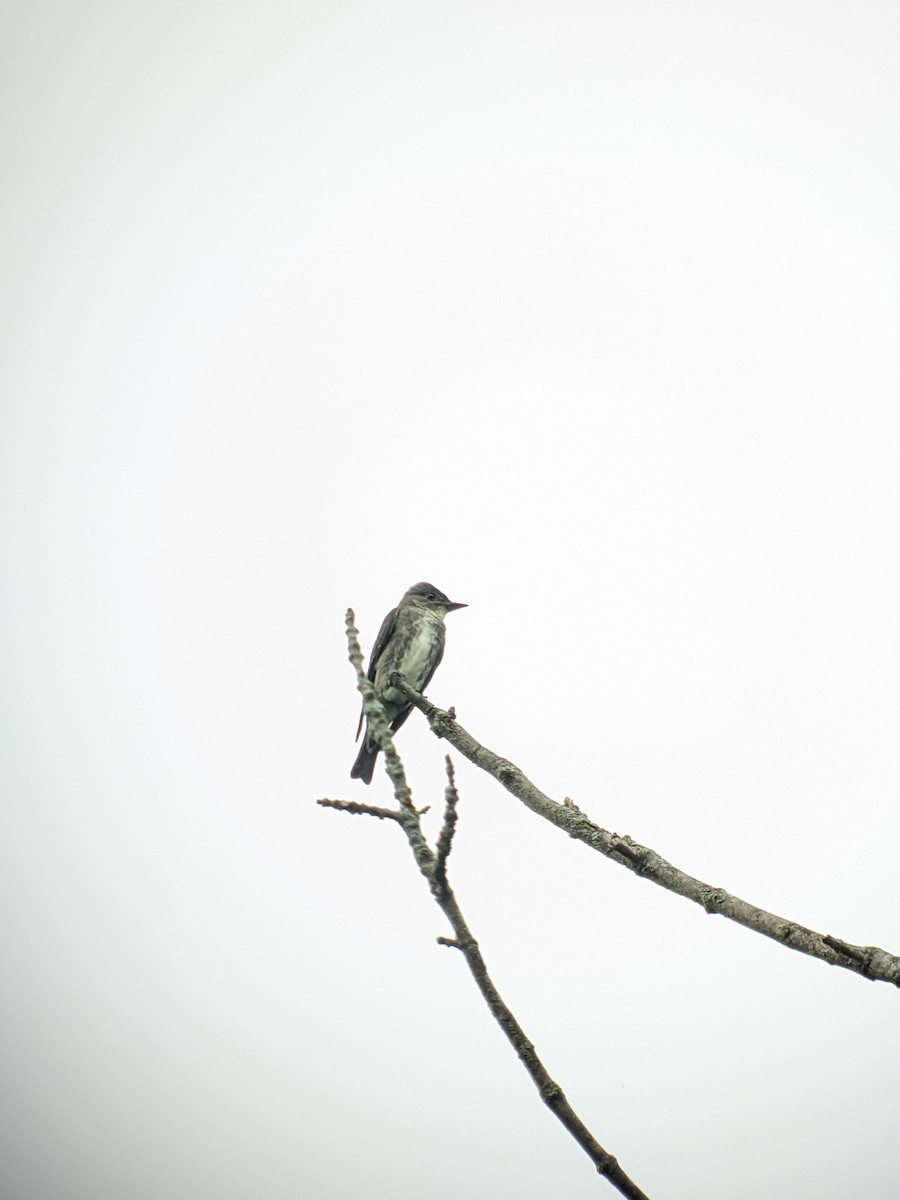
<point>588,314</point>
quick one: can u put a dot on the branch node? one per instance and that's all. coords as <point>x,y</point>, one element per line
<point>626,847</point>
<point>857,954</point>
<point>713,900</point>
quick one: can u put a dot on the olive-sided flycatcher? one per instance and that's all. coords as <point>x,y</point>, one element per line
<point>411,642</point>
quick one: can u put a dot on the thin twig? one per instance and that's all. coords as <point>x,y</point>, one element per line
<point>353,806</point>
<point>445,837</point>
<point>869,961</point>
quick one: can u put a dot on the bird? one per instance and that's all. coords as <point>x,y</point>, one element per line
<point>410,642</point>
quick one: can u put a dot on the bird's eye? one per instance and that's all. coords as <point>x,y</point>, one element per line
<point>431,596</point>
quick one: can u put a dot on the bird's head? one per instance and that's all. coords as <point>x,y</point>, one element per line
<point>431,597</point>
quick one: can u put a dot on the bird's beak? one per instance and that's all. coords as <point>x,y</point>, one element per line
<point>451,607</point>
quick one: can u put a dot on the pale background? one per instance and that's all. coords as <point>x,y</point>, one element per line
<point>585,312</point>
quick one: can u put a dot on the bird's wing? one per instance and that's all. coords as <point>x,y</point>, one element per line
<point>384,633</point>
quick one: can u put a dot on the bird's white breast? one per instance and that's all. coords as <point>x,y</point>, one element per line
<point>418,657</point>
<point>415,661</point>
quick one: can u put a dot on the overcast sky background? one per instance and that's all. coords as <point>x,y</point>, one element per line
<point>587,313</point>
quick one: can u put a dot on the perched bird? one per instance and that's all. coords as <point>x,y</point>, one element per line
<point>411,642</point>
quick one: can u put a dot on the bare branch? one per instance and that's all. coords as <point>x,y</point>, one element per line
<point>869,961</point>
<point>433,866</point>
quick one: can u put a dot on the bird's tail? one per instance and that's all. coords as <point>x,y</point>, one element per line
<point>364,767</point>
